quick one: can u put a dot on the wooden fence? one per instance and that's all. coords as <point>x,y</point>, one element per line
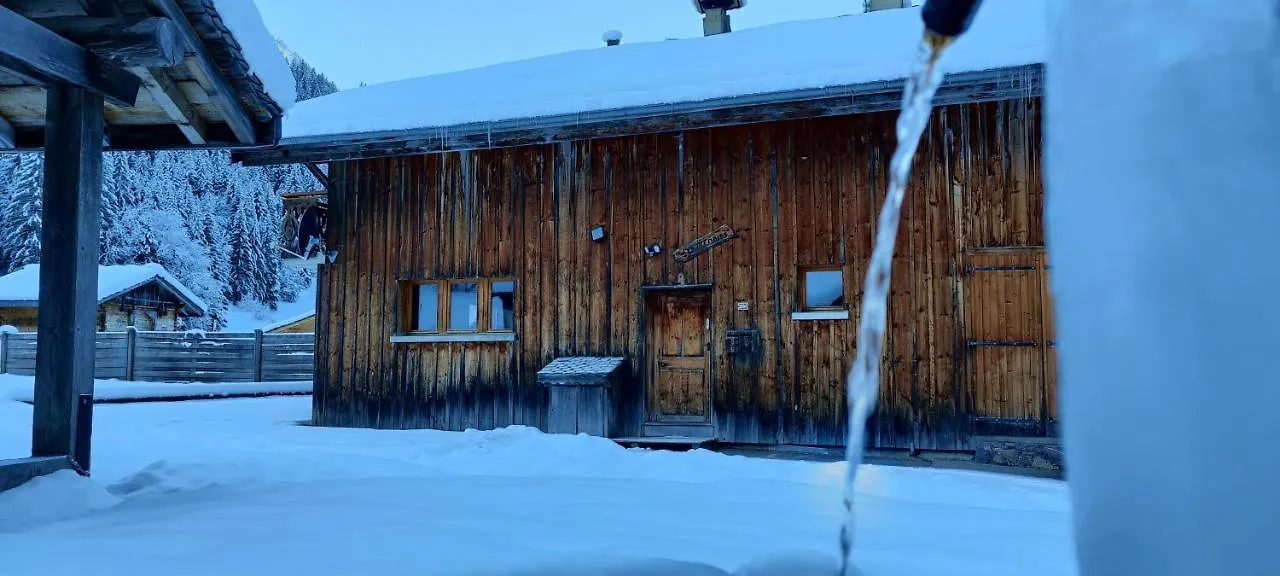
<point>182,357</point>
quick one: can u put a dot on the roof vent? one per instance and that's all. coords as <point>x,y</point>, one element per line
<point>876,5</point>
<point>715,14</point>
<point>612,38</point>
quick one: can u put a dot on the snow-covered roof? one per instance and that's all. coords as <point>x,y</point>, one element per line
<point>258,48</point>
<point>579,370</point>
<point>287,321</point>
<point>22,287</point>
<point>835,52</point>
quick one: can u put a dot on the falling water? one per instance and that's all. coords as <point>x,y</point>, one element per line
<point>864,378</point>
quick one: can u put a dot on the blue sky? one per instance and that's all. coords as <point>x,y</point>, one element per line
<point>375,41</point>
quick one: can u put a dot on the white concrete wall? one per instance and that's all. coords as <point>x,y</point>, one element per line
<point>1163,207</point>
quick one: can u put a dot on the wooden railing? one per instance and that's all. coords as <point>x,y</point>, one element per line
<point>181,356</point>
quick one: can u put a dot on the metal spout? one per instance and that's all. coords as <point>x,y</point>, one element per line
<point>949,18</point>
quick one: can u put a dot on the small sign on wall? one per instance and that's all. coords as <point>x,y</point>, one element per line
<point>743,306</point>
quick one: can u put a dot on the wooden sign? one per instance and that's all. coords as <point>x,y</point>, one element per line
<point>704,244</point>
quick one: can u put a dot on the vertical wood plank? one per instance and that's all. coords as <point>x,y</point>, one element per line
<point>61,419</point>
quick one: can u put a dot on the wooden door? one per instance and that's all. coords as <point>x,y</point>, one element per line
<point>1009,336</point>
<point>678,386</point>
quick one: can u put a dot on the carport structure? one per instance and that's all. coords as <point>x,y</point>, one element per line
<point>81,76</point>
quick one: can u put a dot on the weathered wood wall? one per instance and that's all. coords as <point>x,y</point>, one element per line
<point>798,193</point>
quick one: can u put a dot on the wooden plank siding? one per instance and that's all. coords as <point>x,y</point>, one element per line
<point>797,194</point>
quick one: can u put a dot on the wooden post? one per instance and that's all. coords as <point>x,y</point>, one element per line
<point>4,352</point>
<point>130,351</point>
<point>67,324</point>
<point>257,355</point>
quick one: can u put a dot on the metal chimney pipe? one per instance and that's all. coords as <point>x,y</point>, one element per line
<point>716,21</point>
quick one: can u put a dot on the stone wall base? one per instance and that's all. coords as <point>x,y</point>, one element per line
<point>1034,453</point>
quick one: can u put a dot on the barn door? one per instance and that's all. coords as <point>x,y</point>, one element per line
<point>1008,339</point>
<point>678,387</point>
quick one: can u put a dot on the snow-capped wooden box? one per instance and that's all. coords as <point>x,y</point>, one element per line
<point>580,388</point>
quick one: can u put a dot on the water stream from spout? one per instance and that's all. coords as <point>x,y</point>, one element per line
<point>863,383</point>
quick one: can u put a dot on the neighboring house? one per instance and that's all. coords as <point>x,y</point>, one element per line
<point>703,208</point>
<point>300,324</point>
<point>144,296</point>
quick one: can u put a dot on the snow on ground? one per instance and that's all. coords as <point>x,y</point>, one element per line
<point>250,317</point>
<point>235,487</point>
<point>22,389</point>
<point>814,54</point>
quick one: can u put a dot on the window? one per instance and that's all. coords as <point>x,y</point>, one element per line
<point>426,308</point>
<point>822,289</point>
<point>464,306</point>
<point>502,306</point>
<point>460,306</point>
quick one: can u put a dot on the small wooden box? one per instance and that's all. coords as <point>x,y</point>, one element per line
<point>581,394</point>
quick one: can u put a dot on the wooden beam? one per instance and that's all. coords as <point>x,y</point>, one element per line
<point>63,407</point>
<point>175,104</point>
<point>319,175</point>
<point>14,473</point>
<point>36,54</point>
<point>150,43</point>
<point>8,135</point>
<point>220,91</point>
<point>48,8</point>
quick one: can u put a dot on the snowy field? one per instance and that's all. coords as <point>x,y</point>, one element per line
<point>236,487</point>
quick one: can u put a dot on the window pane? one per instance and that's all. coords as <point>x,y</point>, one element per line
<point>464,305</point>
<point>824,288</point>
<point>428,304</point>
<point>503,306</point>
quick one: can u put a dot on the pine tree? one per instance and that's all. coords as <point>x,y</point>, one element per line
<point>22,214</point>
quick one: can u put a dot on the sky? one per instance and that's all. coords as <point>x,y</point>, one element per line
<point>375,41</point>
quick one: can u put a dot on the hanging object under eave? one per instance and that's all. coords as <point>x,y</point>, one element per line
<point>302,232</point>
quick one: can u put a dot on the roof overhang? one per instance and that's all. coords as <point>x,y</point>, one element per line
<point>172,73</point>
<point>969,87</point>
<point>193,308</point>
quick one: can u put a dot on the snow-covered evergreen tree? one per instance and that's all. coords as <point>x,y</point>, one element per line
<point>22,213</point>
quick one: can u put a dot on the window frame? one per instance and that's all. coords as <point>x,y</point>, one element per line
<point>804,288</point>
<point>444,303</point>
<point>448,326</point>
<point>410,316</point>
<point>487,306</point>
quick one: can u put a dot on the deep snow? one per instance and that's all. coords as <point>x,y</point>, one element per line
<point>22,389</point>
<point>832,52</point>
<point>235,487</point>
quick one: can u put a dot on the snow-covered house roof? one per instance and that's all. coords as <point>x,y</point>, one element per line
<point>855,57</point>
<point>228,87</point>
<point>261,63</point>
<point>272,327</point>
<point>21,288</point>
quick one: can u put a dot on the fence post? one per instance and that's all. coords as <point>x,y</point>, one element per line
<point>130,351</point>
<point>257,355</point>
<point>4,352</point>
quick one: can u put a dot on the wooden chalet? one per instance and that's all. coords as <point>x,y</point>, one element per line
<point>714,238</point>
<point>81,76</point>
<point>145,297</point>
